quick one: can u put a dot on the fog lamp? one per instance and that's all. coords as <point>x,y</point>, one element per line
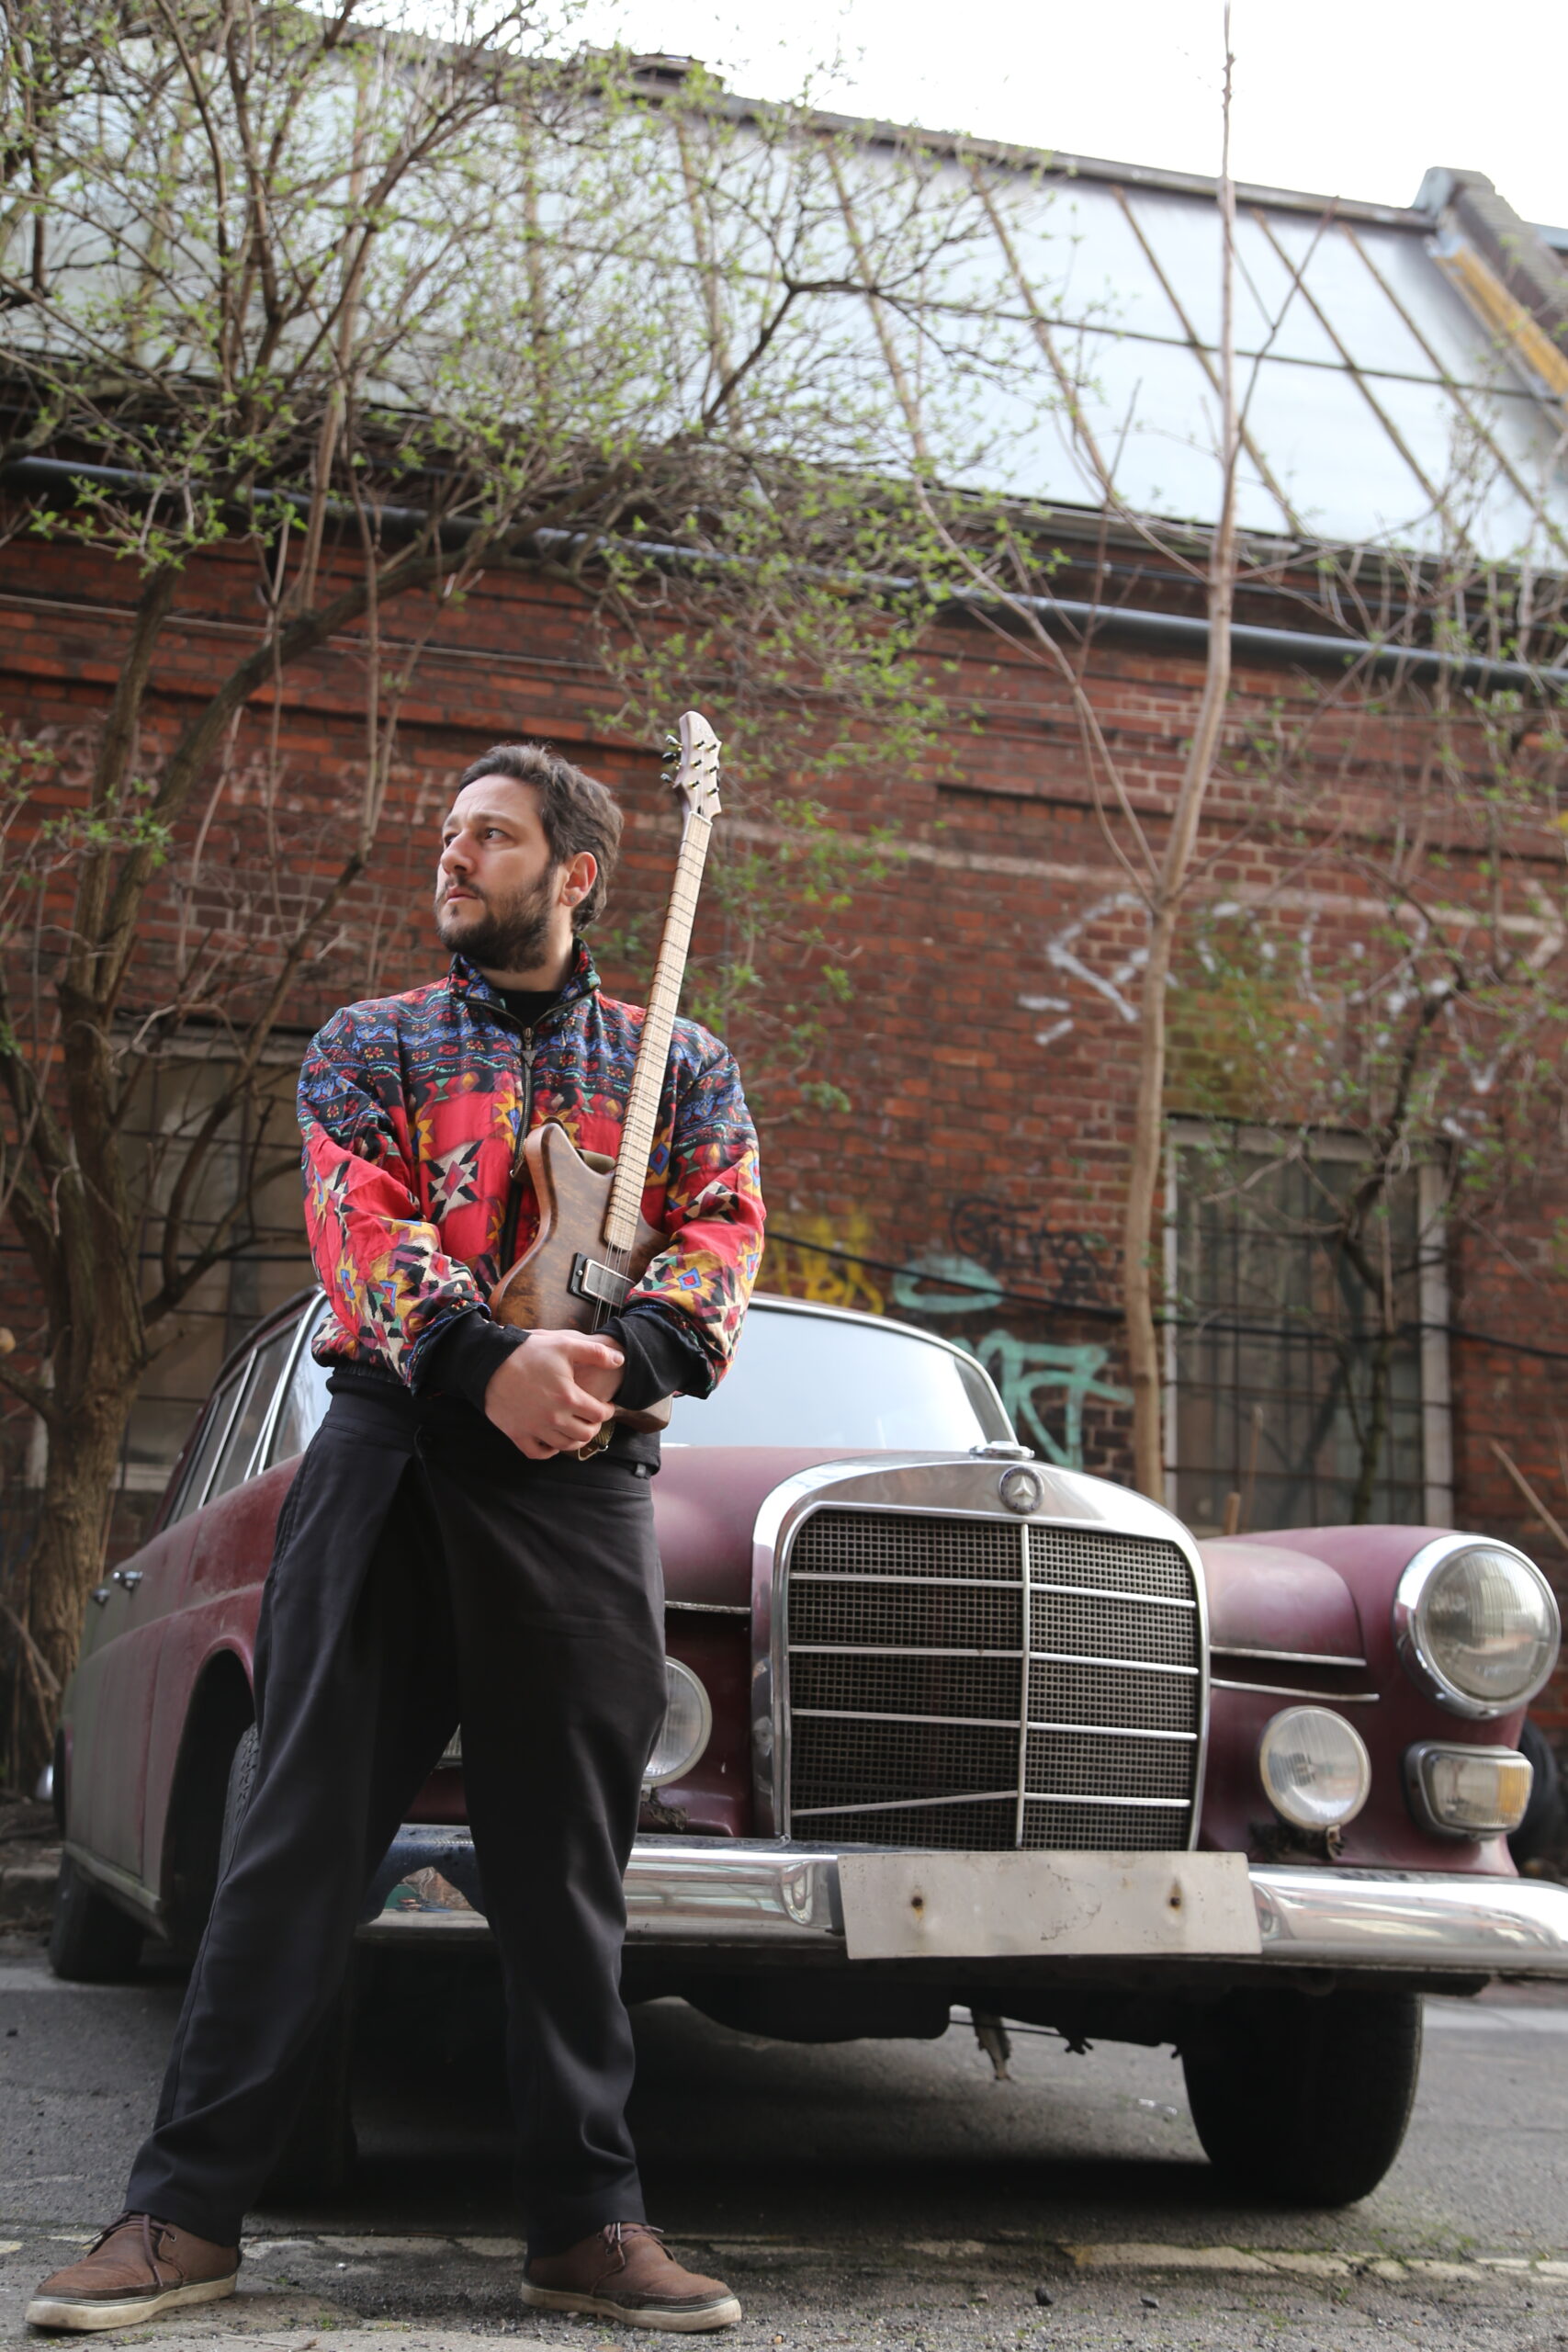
<point>683,1733</point>
<point>1476,1625</point>
<point>1315,1767</point>
<point>1468,1792</point>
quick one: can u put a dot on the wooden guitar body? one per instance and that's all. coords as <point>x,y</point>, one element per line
<point>539,1293</point>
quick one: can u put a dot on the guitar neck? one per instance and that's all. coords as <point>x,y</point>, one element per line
<point>653,1051</point>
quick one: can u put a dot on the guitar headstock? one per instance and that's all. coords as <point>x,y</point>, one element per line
<point>696,772</point>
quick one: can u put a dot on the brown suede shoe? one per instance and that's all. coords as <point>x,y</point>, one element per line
<point>138,2268</point>
<point>623,2272</point>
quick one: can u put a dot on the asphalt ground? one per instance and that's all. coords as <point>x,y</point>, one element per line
<point>870,2197</point>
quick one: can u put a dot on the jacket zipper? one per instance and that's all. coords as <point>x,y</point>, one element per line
<point>514,1192</point>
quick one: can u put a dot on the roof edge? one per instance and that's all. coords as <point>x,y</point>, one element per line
<point>1053,164</point>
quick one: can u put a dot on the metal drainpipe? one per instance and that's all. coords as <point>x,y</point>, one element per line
<point>1190,631</point>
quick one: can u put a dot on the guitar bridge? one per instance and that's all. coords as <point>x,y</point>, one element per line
<point>602,1284</point>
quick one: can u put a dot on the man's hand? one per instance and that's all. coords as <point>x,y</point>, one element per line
<point>553,1393</point>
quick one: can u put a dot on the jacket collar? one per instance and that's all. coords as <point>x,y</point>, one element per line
<point>469,983</point>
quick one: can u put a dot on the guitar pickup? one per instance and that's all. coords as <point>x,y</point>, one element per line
<point>591,1279</point>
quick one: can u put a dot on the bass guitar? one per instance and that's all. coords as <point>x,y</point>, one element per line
<point>592,1242</point>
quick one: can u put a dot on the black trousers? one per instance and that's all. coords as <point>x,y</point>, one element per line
<point>426,1572</point>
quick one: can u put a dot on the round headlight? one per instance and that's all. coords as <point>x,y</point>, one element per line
<point>1314,1767</point>
<point>1477,1626</point>
<point>683,1733</point>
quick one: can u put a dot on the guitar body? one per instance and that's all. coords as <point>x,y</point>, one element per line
<point>573,1190</point>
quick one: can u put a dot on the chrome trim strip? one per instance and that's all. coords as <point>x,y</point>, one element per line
<point>1117,1731</point>
<point>1026,1622</point>
<point>1045,1657</point>
<point>991,1796</point>
<point>710,1892</point>
<point>892,1649</point>
<point>999,1584</point>
<point>910,1804</point>
<point>1125,1665</point>
<point>1284,1690</point>
<point>1286,1658</point>
<point>1415,1576</point>
<point>987,1722</point>
<point>707,1608</point>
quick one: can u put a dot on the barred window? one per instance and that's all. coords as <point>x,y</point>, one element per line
<point>1306,1356</point>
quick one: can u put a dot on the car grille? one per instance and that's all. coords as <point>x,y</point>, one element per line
<point>920,1714</point>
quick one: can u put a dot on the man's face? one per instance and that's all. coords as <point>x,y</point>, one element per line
<point>497,895</point>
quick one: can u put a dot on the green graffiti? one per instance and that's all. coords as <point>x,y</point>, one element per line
<point>1027,1372</point>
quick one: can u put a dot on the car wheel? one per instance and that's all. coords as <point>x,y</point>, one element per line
<point>1306,2098</point>
<point>236,1803</point>
<point>319,2156</point>
<point>91,1940</point>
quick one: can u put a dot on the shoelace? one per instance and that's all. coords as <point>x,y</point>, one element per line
<point>146,2228</point>
<point>614,2235</point>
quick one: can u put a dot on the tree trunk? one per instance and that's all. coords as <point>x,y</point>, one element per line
<point>67,1559</point>
<point>1375,1431</point>
<point>1137,1236</point>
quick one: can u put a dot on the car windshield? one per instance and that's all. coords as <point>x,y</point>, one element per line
<point>802,1379</point>
<point>798,1379</point>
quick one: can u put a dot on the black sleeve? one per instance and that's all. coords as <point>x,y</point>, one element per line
<point>465,1356</point>
<point>662,1360</point>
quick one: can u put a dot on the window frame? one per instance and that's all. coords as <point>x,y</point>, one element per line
<point>1431,1290</point>
<point>236,1381</point>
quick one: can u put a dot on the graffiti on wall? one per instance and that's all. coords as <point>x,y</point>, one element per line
<point>826,1264</point>
<point>1066,1266</point>
<point>997,1248</point>
<point>1035,1376</point>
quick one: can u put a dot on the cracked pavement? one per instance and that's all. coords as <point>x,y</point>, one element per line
<point>869,2197</point>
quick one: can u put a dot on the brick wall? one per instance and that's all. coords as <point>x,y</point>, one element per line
<point>987,1051</point>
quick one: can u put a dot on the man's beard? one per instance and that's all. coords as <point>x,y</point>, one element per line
<point>513,937</point>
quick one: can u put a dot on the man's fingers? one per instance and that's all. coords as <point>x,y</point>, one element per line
<point>583,1350</point>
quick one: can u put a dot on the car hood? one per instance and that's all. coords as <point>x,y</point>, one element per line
<point>1267,1597</point>
<point>706,1501</point>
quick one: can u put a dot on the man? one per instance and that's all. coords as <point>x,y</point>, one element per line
<point>443,1553</point>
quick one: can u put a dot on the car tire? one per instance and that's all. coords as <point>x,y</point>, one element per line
<point>1306,2099</point>
<point>91,1940</point>
<point>319,2156</point>
<point>236,1803</point>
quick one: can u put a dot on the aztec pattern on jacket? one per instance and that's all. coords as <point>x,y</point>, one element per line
<point>409,1107</point>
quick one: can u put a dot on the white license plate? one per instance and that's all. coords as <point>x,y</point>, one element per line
<point>1047,1905</point>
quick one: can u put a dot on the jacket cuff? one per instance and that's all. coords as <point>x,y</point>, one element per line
<point>662,1360</point>
<point>464,1358</point>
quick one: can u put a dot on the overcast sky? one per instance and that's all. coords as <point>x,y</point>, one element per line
<point>1339,98</point>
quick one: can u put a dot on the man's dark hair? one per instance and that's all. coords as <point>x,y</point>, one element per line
<point>576,812</point>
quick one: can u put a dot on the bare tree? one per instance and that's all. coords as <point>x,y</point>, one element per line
<point>1007,557</point>
<point>375,314</point>
<point>1403,984</point>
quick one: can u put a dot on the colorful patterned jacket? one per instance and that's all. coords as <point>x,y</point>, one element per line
<point>412,1110</point>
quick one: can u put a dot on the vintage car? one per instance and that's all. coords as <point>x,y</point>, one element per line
<point>947,1726</point>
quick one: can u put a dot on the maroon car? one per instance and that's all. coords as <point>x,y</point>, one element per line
<point>946,1726</point>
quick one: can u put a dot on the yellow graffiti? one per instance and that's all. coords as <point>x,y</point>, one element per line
<point>813,1263</point>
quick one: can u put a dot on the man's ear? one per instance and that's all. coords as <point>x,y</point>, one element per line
<point>578,877</point>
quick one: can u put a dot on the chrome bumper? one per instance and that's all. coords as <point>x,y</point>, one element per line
<point>708,1893</point>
